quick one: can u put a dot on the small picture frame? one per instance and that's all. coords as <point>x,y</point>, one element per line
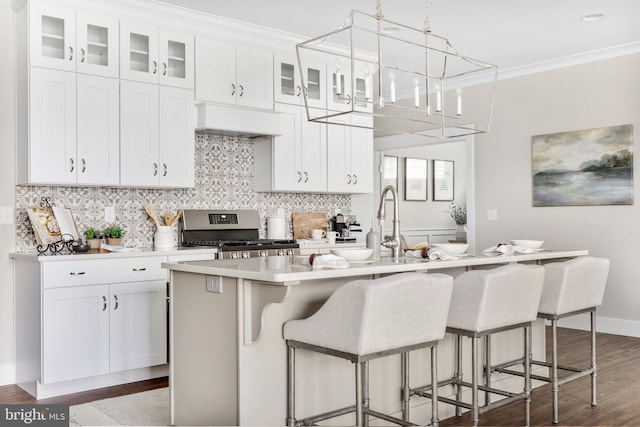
<point>390,172</point>
<point>443,182</point>
<point>415,179</point>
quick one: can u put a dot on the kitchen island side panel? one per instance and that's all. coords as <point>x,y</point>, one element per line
<point>204,352</point>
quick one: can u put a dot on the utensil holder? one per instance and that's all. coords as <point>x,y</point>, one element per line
<point>163,238</point>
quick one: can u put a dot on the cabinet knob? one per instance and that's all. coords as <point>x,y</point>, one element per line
<point>82,55</point>
<point>355,179</point>
<point>155,67</point>
<point>155,169</point>
<point>139,269</point>
<point>164,169</point>
<point>164,68</point>
<point>84,165</point>
<point>115,299</point>
<point>299,177</point>
<point>104,303</point>
<point>73,165</point>
<point>241,90</point>
<point>299,90</point>
<point>348,179</point>
<point>77,273</point>
<point>70,53</point>
<point>233,89</point>
<point>348,99</point>
<point>306,177</point>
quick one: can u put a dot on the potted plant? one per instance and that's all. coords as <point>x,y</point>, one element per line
<point>94,237</point>
<point>114,234</point>
<point>459,215</point>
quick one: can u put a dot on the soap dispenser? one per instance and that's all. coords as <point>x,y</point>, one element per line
<point>373,241</point>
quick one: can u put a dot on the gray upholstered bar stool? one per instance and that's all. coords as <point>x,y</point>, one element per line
<point>570,288</point>
<point>367,319</point>
<point>486,302</point>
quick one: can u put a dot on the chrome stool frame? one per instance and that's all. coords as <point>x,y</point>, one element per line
<point>572,287</point>
<point>486,302</point>
<point>457,381</point>
<point>361,408</point>
<point>369,319</point>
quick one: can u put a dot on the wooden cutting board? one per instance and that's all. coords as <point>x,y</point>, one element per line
<point>304,222</point>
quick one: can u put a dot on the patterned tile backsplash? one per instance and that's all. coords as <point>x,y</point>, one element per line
<point>224,180</point>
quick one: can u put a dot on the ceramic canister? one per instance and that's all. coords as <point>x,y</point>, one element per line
<point>275,227</point>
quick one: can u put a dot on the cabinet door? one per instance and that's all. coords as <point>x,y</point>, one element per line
<point>361,147</point>
<point>288,82</point>
<point>313,153</point>
<point>175,53</point>
<point>98,139</point>
<point>285,153</point>
<point>339,177</point>
<point>254,74</point>
<point>139,134</point>
<point>138,325</point>
<point>350,162</point>
<point>138,52</point>
<point>97,42</point>
<point>52,126</point>
<point>215,71</point>
<point>52,36</point>
<point>177,139</point>
<point>75,340</point>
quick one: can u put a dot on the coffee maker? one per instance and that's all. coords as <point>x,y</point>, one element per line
<point>345,225</point>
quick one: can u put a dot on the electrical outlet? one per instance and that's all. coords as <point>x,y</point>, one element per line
<point>6,215</point>
<point>109,214</point>
<point>214,284</point>
<point>492,214</point>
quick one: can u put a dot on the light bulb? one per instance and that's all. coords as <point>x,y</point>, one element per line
<point>392,87</point>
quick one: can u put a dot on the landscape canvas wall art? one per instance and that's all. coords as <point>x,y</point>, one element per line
<point>583,168</point>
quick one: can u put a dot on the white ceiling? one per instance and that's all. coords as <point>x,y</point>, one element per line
<point>510,33</point>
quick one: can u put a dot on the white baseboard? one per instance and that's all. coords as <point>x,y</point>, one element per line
<point>608,325</point>
<point>7,373</point>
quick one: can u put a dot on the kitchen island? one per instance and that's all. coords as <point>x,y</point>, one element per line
<point>228,357</point>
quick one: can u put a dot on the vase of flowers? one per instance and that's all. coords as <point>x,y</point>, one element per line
<point>459,215</point>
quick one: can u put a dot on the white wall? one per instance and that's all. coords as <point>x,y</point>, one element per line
<point>7,188</point>
<point>588,96</point>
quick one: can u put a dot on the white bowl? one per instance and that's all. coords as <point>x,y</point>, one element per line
<point>452,248</point>
<point>533,244</point>
<point>351,254</point>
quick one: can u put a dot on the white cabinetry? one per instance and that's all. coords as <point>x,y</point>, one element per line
<point>233,74</point>
<point>63,39</point>
<point>295,160</point>
<point>156,135</point>
<point>152,55</point>
<point>350,165</point>
<point>288,84</point>
<point>74,126</point>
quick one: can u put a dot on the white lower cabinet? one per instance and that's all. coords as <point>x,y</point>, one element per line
<point>95,330</point>
<point>75,340</point>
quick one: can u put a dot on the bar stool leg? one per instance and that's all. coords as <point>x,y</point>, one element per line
<point>358,394</point>
<point>594,367</point>
<point>365,392</point>
<point>458,374</point>
<point>487,368</point>
<point>527,376</point>
<point>404,387</point>
<point>291,386</point>
<point>434,387</point>
<point>475,416</point>
<point>554,370</point>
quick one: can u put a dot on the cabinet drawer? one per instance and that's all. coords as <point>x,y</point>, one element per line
<point>97,271</point>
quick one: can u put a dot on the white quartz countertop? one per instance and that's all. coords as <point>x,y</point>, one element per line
<point>283,270</point>
<point>139,252</point>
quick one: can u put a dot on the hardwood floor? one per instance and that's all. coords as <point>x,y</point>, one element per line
<point>618,388</point>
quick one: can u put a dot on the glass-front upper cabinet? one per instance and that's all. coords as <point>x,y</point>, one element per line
<point>289,85</point>
<point>152,55</point>
<point>61,39</point>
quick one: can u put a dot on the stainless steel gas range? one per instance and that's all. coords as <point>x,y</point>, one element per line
<point>235,233</point>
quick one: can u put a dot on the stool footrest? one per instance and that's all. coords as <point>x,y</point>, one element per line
<point>347,410</point>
